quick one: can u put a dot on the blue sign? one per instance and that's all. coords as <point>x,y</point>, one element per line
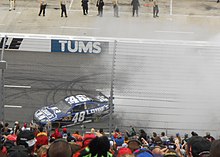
<point>78,46</point>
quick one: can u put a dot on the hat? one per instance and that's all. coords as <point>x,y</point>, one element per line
<point>171,153</point>
<point>134,144</point>
<point>123,151</point>
<point>143,152</point>
<point>64,129</point>
<point>26,138</point>
<point>199,145</point>
<point>18,151</point>
<point>16,122</point>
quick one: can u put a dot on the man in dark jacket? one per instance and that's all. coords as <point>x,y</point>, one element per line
<point>136,5</point>
<point>100,4</point>
<point>85,6</point>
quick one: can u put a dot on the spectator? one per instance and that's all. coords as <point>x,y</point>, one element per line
<point>88,137</point>
<point>18,151</point>
<point>122,152</point>
<point>85,6</point>
<point>198,146</point>
<point>42,151</point>
<point>117,133</point>
<point>70,138</point>
<point>101,131</point>
<point>5,129</point>
<point>56,134</point>
<point>42,138</point>
<point>143,135</point>
<point>16,129</point>
<point>27,139</point>
<point>100,4</point>
<point>193,133</point>
<point>118,138</point>
<point>60,148</point>
<point>134,144</point>
<point>164,138</point>
<point>155,8</point>
<point>136,5</point>
<point>64,133</point>
<point>43,5</point>
<point>24,127</point>
<point>11,5</point>
<point>78,137</point>
<point>209,137</point>
<point>131,133</point>
<point>115,7</point>
<point>215,147</point>
<point>158,151</point>
<point>178,138</point>
<point>97,147</point>
<point>63,7</point>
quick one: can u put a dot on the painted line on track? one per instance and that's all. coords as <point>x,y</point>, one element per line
<point>13,86</point>
<point>175,32</point>
<point>12,106</point>
<point>67,27</point>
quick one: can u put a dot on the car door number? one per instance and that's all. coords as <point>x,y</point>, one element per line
<point>79,117</point>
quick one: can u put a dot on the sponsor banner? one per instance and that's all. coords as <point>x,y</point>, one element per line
<point>26,44</point>
<point>79,46</point>
<point>48,44</point>
<point>11,43</point>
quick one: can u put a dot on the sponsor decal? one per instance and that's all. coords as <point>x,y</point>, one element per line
<point>78,46</point>
<point>11,43</point>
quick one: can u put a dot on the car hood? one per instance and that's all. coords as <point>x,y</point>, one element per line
<point>48,113</point>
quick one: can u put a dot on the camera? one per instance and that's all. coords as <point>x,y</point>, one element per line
<point>171,146</point>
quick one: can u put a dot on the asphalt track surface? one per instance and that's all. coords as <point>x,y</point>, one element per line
<point>51,79</point>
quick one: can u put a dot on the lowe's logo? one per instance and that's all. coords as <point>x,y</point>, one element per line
<point>11,43</point>
<point>74,46</point>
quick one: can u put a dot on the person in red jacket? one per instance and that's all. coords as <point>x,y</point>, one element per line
<point>42,138</point>
<point>56,134</point>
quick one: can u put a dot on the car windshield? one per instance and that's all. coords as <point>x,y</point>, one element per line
<point>63,106</point>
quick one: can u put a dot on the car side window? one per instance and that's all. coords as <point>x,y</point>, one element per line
<point>78,108</point>
<point>91,106</point>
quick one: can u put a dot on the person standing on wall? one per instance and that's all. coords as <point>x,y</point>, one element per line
<point>115,7</point>
<point>43,5</point>
<point>136,5</point>
<point>100,4</point>
<point>11,5</point>
<point>63,7</point>
<point>155,8</point>
<point>85,6</point>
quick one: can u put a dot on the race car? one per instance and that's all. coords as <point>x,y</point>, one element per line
<point>73,110</point>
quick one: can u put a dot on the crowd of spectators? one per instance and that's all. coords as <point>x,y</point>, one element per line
<point>38,141</point>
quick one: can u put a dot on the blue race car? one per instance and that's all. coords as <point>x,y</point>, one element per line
<point>72,110</point>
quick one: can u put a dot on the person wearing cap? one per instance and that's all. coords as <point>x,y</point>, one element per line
<point>122,152</point>
<point>198,146</point>
<point>42,138</point>
<point>24,127</point>
<point>134,144</point>
<point>27,139</point>
<point>16,128</point>
<point>57,134</point>
<point>64,133</point>
<point>88,137</point>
